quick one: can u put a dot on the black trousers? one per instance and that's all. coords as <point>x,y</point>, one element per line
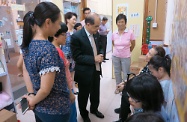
<point>103,40</point>
<point>125,106</point>
<point>91,89</point>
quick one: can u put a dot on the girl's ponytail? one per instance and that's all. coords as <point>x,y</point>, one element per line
<point>167,64</point>
<point>28,29</point>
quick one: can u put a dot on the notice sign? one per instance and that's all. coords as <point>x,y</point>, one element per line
<point>18,7</point>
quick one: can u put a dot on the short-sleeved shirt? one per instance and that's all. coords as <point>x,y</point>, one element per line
<point>169,105</point>
<point>83,22</point>
<point>122,43</point>
<point>40,58</point>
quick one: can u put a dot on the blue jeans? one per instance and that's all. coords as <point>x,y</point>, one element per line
<point>43,117</point>
<point>73,114</point>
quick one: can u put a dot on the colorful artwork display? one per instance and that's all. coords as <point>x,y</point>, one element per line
<point>179,60</point>
<point>122,9</point>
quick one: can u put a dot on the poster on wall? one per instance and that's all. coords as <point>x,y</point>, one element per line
<point>179,58</point>
<point>122,9</point>
<point>136,29</point>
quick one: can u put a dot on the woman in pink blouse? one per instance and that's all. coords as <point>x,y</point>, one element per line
<point>123,41</point>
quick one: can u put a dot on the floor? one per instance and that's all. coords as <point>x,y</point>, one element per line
<point>108,100</point>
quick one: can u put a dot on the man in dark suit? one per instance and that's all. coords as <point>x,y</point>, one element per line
<point>88,55</point>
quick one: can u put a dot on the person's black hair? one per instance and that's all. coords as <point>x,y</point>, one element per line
<point>27,28</point>
<point>104,19</point>
<point>146,89</point>
<point>91,19</point>
<point>69,15</point>
<point>77,25</point>
<point>145,117</point>
<point>42,11</point>
<point>164,62</point>
<point>86,9</point>
<point>121,16</point>
<point>63,29</point>
<point>160,51</point>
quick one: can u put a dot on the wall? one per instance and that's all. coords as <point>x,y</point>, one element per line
<point>8,29</point>
<point>103,7</point>
<point>132,20</point>
<point>159,18</point>
<point>169,18</point>
<point>59,3</point>
<point>72,7</point>
<point>179,61</point>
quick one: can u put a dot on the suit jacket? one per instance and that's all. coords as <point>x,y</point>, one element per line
<point>83,55</point>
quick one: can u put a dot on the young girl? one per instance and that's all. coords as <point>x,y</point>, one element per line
<point>78,26</point>
<point>48,92</point>
<point>160,68</point>
<point>146,95</point>
<point>57,40</point>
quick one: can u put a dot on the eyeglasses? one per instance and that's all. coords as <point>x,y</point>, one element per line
<point>63,34</point>
<point>132,99</point>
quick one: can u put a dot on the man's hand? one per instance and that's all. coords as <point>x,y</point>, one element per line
<point>107,31</point>
<point>120,86</point>
<point>99,58</point>
<point>72,97</point>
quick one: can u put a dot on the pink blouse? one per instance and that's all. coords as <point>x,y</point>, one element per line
<point>122,43</point>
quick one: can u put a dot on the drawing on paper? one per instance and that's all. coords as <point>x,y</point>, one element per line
<point>179,60</point>
<point>122,9</point>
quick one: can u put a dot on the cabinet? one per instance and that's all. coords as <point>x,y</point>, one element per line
<point>6,96</point>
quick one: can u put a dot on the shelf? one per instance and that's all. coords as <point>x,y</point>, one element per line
<point>5,100</point>
<point>3,74</point>
<point>20,23</point>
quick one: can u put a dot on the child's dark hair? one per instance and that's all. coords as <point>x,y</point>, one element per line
<point>158,61</point>
<point>43,11</point>
<point>145,117</point>
<point>69,15</point>
<point>146,89</point>
<point>121,16</point>
<point>63,29</point>
<point>77,25</point>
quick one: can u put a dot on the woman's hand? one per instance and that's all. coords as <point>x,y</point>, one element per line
<point>30,100</point>
<point>72,97</point>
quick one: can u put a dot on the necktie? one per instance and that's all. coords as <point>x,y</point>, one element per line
<point>95,52</point>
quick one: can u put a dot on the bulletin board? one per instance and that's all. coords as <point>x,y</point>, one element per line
<point>179,58</point>
<point>7,30</point>
<point>157,34</point>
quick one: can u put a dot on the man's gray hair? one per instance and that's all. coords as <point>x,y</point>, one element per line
<point>91,18</point>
